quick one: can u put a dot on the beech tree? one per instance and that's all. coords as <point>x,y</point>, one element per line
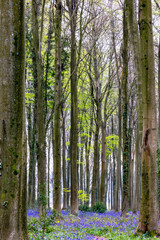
<point>12,124</point>
<point>148,218</point>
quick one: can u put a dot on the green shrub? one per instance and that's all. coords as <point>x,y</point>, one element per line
<point>99,207</point>
<point>84,208</point>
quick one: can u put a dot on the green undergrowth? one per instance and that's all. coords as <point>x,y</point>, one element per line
<point>87,226</point>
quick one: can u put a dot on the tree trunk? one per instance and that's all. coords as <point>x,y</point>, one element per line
<point>32,161</point>
<point>118,169</point>
<point>81,166</point>
<point>57,115</point>
<point>64,161</point>
<point>114,166</point>
<point>98,122</point>
<point>103,165</point>
<point>137,174</point>
<point>148,218</point>
<point>73,6</point>
<point>125,115</point>
<point>95,159</point>
<point>40,114</point>
<point>48,183</point>
<point>68,175</point>
<point>135,43</point>
<point>158,150</point>
<point>12,138</point>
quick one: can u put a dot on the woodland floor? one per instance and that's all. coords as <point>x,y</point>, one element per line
<point>87,225</point>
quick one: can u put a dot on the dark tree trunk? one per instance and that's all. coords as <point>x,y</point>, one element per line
<point>13,217</point>
<point>57,115</point>
<point>64,161</point>
<point>40,112</point>
<point>72,7</point>
<point>125,115</point>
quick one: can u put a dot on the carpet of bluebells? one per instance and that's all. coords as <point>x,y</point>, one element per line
<point>87,225</point>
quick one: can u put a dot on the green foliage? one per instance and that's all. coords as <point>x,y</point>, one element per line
<point>78,162</point>
<point>66,190</point>
<point>29,97</point>
<point>97,231</point>
<point>57,215</point>
<point>84,208</point>
<point>68,143</point>
<point>41,226</point>
<point>99,207</point>
<point>83,196</point>
<point>33,225</point>
<point>111,142</point>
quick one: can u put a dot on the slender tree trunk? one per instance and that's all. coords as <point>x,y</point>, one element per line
<point>81,165</point>
<point>158,150</point>
<point>29,117</point>
<point>135,43</point>
<point>57,115</point>
<point>64,161</point>
<point>32,160</point>
<point>40,114</point>
<point>12,138</point>
<point>95,159</point>
<point>49,156</point>
<point>137,173</point>
<point>87,169</point>
<point>130,159</point>
<point>125,115</point>
<point>73,6</point>
<point>114,166</point>
<point>88,147</point>
<point>118,169</point>
<point>103,164</point>
<point>98,122</point>
<point>148,218</point>
<point>68,175</point>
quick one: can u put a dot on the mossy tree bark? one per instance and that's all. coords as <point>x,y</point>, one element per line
<point>148,218</point>
<point>12,140</point>
<point>57,115</point>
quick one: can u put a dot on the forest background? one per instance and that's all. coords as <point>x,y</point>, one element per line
<point>92,89</point>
